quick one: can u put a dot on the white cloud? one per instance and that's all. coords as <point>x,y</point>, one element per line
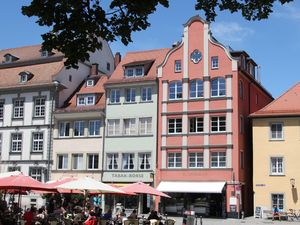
<point>230,31</point>
<point>288,11</point>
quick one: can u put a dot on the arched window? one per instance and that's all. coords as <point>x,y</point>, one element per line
<point>196,89</point>
<point>218,87</point>
<point>175,90</point>
<point>241,89</point>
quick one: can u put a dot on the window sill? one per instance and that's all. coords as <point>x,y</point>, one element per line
<point>194,99</point>
<point>19,118</point>
<point>177,71</point>
<point>38,117</point>
<point>129,103</point>
<point>129,136</point>
<point>195,133</point>
<point>174,134</point>
<point>142,102</point>
<point>36,152</point>
<point>222,97</point>
<point>274,140</point>
<point>118,103</point>
<point>218,132</point>
<point>214,68</point>
<point>277,175</point>
<point>15,153</point>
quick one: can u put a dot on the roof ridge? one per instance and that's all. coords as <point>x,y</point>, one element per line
<point>151,50</point>
<point>20,47</point>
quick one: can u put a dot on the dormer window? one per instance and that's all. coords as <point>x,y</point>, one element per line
<point>8,58</point>
<point>85,100</point>
<point>25,76</point>
<point>134,71</point>
<point>44,53</point>
<point>90,83</point>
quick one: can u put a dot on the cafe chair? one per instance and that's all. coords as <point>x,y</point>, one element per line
<point>131,222</point>
<point>170,222</point>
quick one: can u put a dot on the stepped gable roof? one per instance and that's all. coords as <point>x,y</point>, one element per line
<point>98,89</point>
<point>288,104</point>
<point>151,58</point>
<point>29,60</point>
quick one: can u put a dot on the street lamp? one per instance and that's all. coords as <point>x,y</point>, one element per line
<point>292,182</point>
<point>56,84</point>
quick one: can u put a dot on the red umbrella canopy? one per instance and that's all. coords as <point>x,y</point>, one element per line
<point>21,182</point>
<point>142,188</point>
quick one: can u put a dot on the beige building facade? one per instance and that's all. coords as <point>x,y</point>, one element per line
<point>276,145</point>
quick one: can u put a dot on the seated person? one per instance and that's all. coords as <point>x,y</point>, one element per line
<point>153,216</point>
<point>92,219</point>
<point>107,215</point>
<point>121,215</point>
<point>275,213</point>
<point>133,215</point>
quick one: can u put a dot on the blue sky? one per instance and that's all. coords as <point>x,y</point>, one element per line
<point>274,43</point>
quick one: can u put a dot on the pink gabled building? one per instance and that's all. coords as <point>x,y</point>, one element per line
<point>206,92</point>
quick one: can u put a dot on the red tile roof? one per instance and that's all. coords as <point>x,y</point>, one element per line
<point>288,104</point>
<point>156,56</point>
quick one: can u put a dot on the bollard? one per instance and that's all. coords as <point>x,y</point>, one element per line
<point>200,220</point>
<point>243,215</point>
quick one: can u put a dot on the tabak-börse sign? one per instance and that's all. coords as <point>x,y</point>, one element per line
<point>127,177</point>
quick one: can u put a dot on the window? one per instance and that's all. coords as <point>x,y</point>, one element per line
<point>8,58</point>
<point>139,71</point>
<point>144,161</point>
<point>145,126</point>
<point>113,127</point>
<point>196,125</point>
<point>175,126</point>
<point>14,168</point>
<point>129,72</point>
<point>215,62</point>
<point>128,159</point>
<point>196,160</point>
<point>196,89</point>
<point>85,100</point>
<point>62,162</point>
<point>108,66</point>
<point>130,95</point>
<point>277,166</point>
<point>93,161</point>
<point>278,200</point>
<point>242,160</point>
<point>218,124</point>
<point>276,131</point>
<point>18,108</point>
<point>78,128</point>
<point>241,124</point>
<point>218,87</point>
<point>23,78</point>
<point>174,160</point>
<point>90,83</point>
<point>114,96</point>
<point>134,71</point>
<point>146,94</point>
<point>241,89</point>
<point>39,106</point>
<point>44,53</point>
<point>177,65</point>
<point>37,142</point>
<point>218,159</point>
<point>16,142</point>
<point>175,90</point>
<point>129,127</point>
<point>94,127</point>
<point>2,102</point>
<point>112,161</point>
<point>70,78</point>
<point>64,129</point>
<point>77,163</point>
<point>36,173</point>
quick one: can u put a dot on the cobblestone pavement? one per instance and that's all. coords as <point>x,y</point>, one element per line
<point>246,221</point>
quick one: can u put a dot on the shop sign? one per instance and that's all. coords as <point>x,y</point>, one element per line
<point>126,177</point>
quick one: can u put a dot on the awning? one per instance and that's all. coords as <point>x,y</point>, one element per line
<point>191,187</point>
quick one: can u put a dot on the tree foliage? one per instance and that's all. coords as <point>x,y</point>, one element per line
<point>76,25</point>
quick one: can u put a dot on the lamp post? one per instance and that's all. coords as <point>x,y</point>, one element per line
<point>56,84</point>
<point>292,182</point>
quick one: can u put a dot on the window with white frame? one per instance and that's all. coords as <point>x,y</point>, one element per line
<point>175,126</point>
<point>44,53</point>
<point>144,161</point>
<point>177,65</point>
<point>134,71</point>
<point>79,128</point>
<point>129,126</point>
<point>114,96</point>
<point>174,160</point>
<point>93,161</point>
<point>145,126</point>
<point>218,159</point>
<point>36,173</point>
<point>37,142</point>
<point>276,131</point>
<point>85,100</point>
<point>77,161</point>
<point>278,201</point>
<point>277,167</point>
<point>62,162</point>
<point>175,90</point>
<point>39,106</point>
<point>64,129</point>
<point>196,124</point>
<point>18,108</point>
<point>214,62</point>
<point>146,94</point>
<point>196,160</point>
<point>127,161</point>
<point>94,127</point>
<point>24,78</point>
<point>16,142</point>
<point>113,127</point>
<point>90,83</point>
<point>112,161</point>
<point>218,124</point>
<point>2,102</point>
<point>196,89</point>
<point>218,87</point>
<point>130,95</point>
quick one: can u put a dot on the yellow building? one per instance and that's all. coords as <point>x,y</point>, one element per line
<point>276,153</point>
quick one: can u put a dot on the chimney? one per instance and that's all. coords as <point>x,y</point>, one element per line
<point>94,69</point>
<point>117,58</point>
